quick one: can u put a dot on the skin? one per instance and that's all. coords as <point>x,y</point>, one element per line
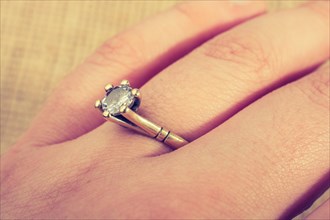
<point>252,100</point>
<point>322,212</point>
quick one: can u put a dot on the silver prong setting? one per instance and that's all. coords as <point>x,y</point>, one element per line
<point>118,99</point>
<point>136,93</point>
<point>98,104</point>
<point>108,87</point>
<point>125,82</point>
<point>106,114</point>
<point>123,108</point>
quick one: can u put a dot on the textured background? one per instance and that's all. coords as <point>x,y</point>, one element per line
<point>41,41</point>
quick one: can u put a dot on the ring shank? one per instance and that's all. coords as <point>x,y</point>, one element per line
<point>175,141</point>
<point>154,130</point>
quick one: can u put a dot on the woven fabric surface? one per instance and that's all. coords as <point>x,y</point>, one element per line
<point>41,41</point>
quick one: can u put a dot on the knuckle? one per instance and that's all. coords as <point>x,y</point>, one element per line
<point>246,53</point>
<point>125,50</point>
<point>318,89</point>
<point>321,83</point>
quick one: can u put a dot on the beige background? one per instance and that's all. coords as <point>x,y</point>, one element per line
<point>41,41</point>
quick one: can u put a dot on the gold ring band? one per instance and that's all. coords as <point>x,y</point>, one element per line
<point>120,105</point>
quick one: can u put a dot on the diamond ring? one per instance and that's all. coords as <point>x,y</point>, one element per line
<point>120,105</point>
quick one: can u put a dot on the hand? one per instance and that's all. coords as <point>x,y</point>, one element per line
<point>249,99</point>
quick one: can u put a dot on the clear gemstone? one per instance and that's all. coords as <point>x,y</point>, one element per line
<point>117,97</point>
